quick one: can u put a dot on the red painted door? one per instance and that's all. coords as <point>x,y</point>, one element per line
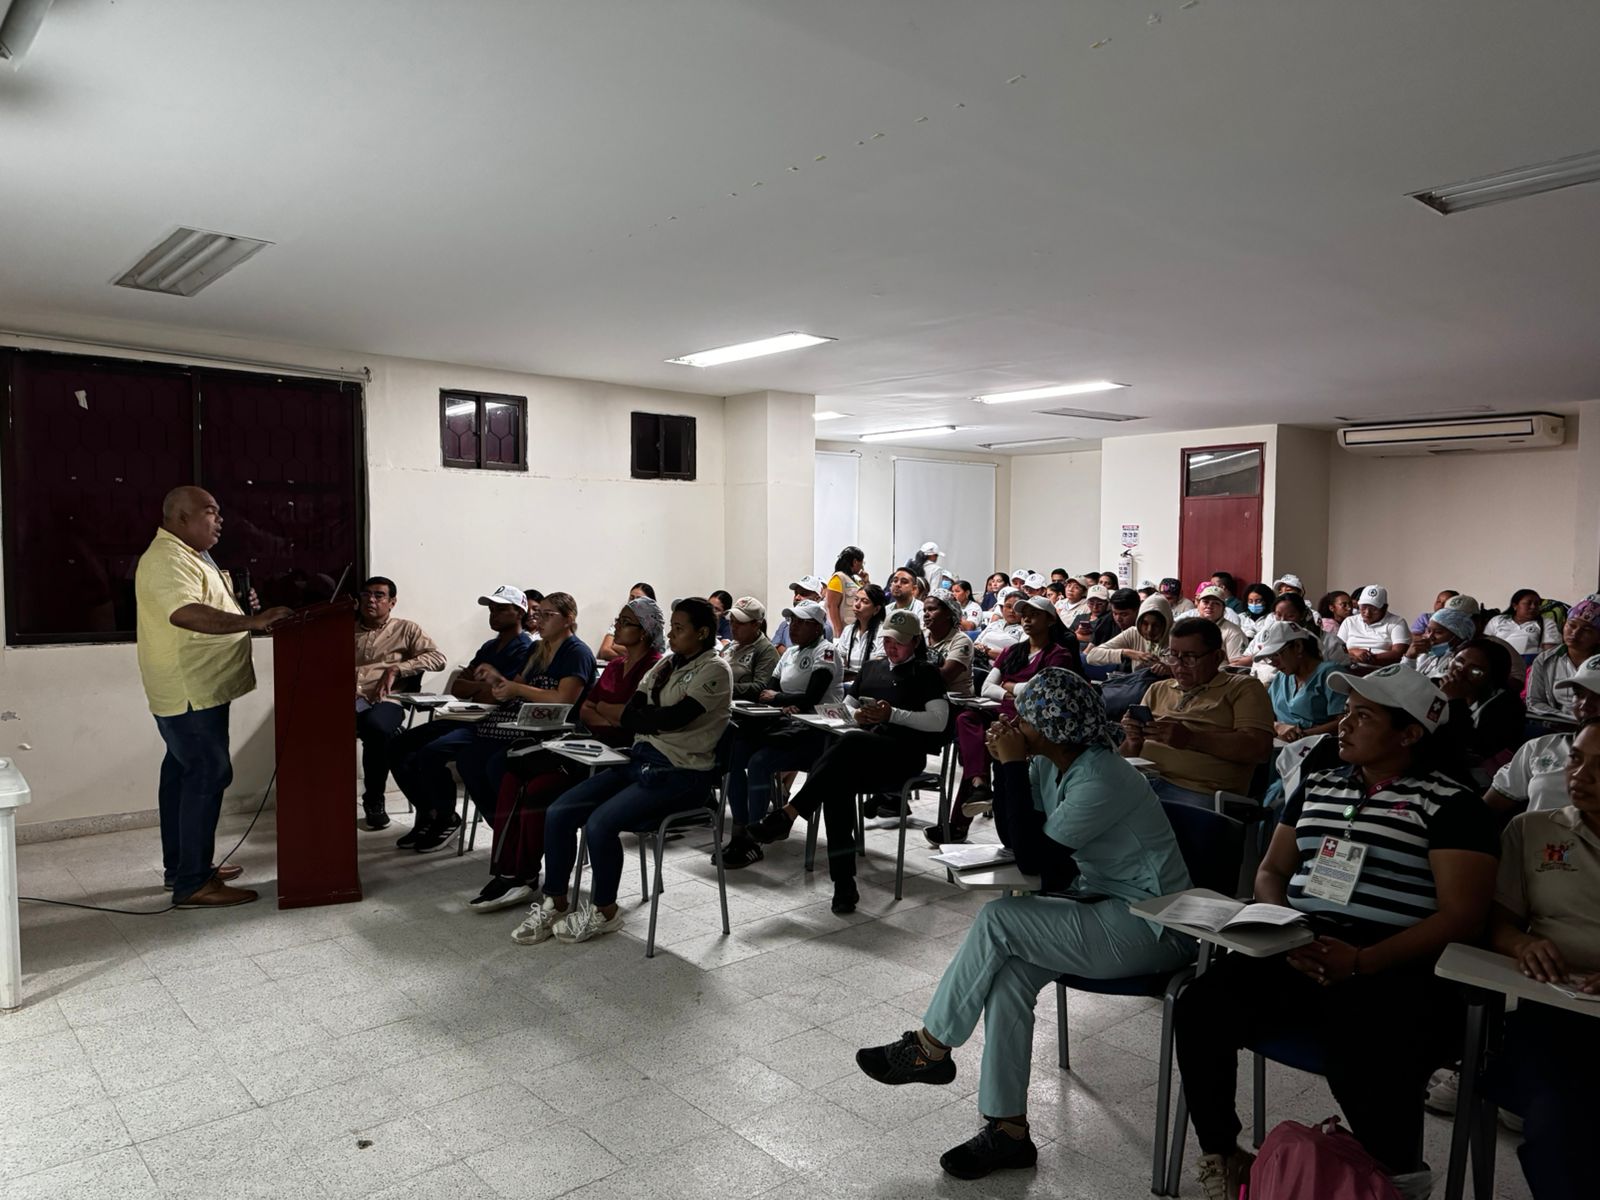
<point>1219,526</point>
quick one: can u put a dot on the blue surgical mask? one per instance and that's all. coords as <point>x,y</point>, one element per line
<point>1439,651</point>
<point>1256,609</point>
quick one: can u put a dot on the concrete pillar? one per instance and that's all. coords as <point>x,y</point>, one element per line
<point>769,468</point>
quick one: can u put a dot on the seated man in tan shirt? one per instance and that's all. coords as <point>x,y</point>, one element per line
<point>1209,730</point>
<point>388,649</point>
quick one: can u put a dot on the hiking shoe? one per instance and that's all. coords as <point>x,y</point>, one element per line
<point>774,827</point>
<point>845,896</point>
<point>435,836</point>
<point>499,893</point>
<point>992,1150</point>
<point>1220,1178</point>
<point>1443,1091</point>
<point>905,1062</point>
<point>539,925</point>
<point>586,922</point>
<point>376,815</point>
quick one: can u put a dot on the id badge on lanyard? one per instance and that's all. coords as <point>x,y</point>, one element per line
<point>1336,869</point>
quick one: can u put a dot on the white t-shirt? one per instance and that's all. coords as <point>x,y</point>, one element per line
<point>1526,637</point>
<point>1537,773</point>
<point>1389,631</point>
<point>998,637</point>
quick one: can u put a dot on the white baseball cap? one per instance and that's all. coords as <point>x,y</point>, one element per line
<point>807,610</point>
<point>1292,580</point>
<point>1035,580</point>
<point>506,594</point>
<point>1397,686</point>
<point>1278,635</point>
<point>1586,677</point>
<point>1374,595</point>
<point>1463,603</point>
<point>809,583</point>
<point>930,549</point>
<point>1148,585</point>
<point>1042,603</point>
<point>1021,573</point>
<point>1099,592</point>
<point>747,608</point>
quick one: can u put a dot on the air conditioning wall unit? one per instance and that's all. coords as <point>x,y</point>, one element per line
<point>1508,431</point>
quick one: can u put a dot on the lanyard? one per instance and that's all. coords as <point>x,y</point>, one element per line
<point>1352,811</point>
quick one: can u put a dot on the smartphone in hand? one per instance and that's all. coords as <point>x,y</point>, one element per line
<point>1140,713</point>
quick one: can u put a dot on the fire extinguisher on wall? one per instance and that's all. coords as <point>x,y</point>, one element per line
<point>1125,569</point>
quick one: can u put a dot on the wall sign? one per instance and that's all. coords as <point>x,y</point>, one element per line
<point>1130,536</point>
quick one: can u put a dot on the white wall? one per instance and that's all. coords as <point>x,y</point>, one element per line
<point>1140,483</point>
<point>876,505</point>
<point>1484,524</point>
<point>1055,513</point>
<point>575,522</point>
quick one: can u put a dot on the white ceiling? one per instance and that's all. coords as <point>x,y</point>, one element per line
<point>1209,206</point>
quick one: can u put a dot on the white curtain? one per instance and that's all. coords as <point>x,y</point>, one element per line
<point>951,503</point>
<point>835,503</point>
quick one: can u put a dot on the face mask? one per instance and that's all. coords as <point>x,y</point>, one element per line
<point>1439,651</point>
<point>1257,609</point>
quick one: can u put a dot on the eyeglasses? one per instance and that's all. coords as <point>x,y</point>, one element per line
<point>1471,672</point>
<point>546,614</point>
<point>1186,659</point>
<point>629,625</point>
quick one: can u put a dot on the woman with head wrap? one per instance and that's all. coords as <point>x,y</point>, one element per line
<point>527,785</point>
<point>1084,820</point>
<point>1580,641</point>
<point>948,648</point>
<point>1432,650</point>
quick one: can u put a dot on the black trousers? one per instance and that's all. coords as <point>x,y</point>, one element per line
<point>377,727</point>
<point>854,762</point>
<point>1545,1073</point>
<point>1381,1035</point>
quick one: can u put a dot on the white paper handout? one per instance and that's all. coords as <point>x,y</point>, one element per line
<point>961,856</point>
<point>1203,912</point>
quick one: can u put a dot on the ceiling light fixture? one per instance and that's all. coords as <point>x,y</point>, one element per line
<point>1028,442</point>
<point>890,435</point>
<point>19,25</point>
<point>1046,393</point>
<point>772,345</point>
<point>828,415</point>
<point>188,260</point>
<point>1513,185</point>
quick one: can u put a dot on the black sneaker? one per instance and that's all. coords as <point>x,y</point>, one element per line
<point>992,1150</point>
<point>938,835</point>
<point>904,1062</point>
<point>500,892</point>
<point>435,836</point>
<point>376,817</point>
<point>845,896</point>
<point>741,852</point>
<point>774,827</point>
<point>418,832</point>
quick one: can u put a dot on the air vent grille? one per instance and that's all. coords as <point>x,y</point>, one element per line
<point>1089,414</point>
<point>189,260</point>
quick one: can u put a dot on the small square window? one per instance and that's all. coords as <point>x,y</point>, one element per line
<point>478,430</point>
<point>663,446</point>
<point>1222,471</point>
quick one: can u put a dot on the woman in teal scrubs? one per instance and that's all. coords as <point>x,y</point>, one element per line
<point>1079,816</point>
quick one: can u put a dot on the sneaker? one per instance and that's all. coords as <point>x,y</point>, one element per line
<point>938,835</point>
<point>905,1062</point>
<point>774,827</point>
<point>741,852</point>
<point>539,925</point>
<point>418,832</point>
<point>845,896</point>
<point>1443,1090</point>
<point>978,808</point>
<point>992,1150</point>
<point>377,817</point>
<point>586,922</point>
<point>499,893</point>
<point>1511,1121</point>
<point>1221,1178</point>
<point>1414,1185</point>
<point>434,837</point>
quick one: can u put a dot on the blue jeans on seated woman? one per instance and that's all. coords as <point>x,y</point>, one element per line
<point>1166,790</point>
<point>612,803</point>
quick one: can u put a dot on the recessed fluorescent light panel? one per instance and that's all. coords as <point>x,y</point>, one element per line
<point>189,260</point>
<point>1052,441</point>
<point>772,345</point>
<point>1089,414</point>
<point>1047,393</point>
<point>19,25</point>
<point>829,415</point>
<point>1514,184</point>
<point>890,435</point>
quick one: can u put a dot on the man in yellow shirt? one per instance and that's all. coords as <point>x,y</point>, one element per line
<point>194,660</point>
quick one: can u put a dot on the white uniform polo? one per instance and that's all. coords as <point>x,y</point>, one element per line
<point>1388,632</point>
<point>1537,773</point>
<point>1526,637</point>
<point>797,666</point>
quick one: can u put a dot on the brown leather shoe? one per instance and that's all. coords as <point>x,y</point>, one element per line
<point>216,894</point>
<point>228,871</point>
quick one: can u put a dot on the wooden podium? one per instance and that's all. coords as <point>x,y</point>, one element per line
<point>316,728</point>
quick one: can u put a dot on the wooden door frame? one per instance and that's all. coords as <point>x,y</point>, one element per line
<point>1183,496</point>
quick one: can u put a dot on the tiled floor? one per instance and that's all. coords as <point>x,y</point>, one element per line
<point>406,1047</point>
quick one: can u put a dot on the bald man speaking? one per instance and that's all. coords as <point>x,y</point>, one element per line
<point>194,659</point>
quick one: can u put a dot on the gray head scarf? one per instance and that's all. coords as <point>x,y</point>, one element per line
<point>649,614</point>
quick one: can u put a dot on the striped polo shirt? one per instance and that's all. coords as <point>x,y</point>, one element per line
<point>1400,824</point>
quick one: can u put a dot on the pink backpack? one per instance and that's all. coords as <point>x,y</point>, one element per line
<point>1298,1162</point>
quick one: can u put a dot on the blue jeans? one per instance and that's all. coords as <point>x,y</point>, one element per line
<point>1166,790</point>
<point>194,774</point>
<point>420,761</point>
<point>1545,1067</point>
<point>757,759</point>
<point>607,805</point>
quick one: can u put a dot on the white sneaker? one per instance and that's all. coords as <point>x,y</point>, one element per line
<point>1443,1091</point>
<point>539,924</point>
<point>586,922</point>
<point>1221,1177</point>
<point>1511,1121</point>
<point>1414,1185</point>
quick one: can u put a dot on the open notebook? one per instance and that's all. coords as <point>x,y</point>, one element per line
<point>1203,912</point>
